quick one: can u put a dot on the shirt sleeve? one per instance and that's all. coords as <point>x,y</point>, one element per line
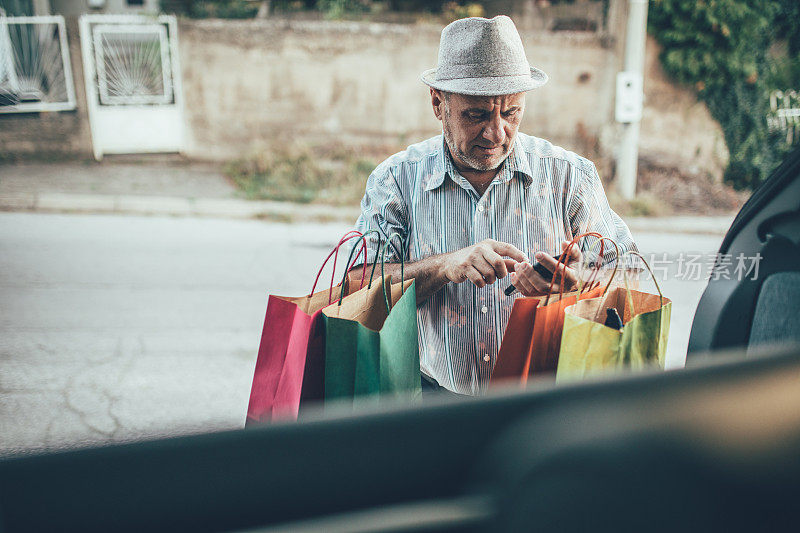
<point>383,210</point>
<point>589,211</point>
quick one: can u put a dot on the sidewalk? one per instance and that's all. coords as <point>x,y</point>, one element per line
<point>168,185</point>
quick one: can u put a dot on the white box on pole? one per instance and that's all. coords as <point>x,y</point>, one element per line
<point>628,106</point>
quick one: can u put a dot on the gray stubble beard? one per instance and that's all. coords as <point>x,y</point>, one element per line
<point>475,164</point>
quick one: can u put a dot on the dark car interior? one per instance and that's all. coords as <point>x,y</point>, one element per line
<point>712,447</point>
<point>753,312</point>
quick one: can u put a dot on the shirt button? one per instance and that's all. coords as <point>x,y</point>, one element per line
<point>480,208</point>
<point>487,358</point>
<point>484,309</point>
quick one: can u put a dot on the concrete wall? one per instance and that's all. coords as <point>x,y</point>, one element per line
<point>255,84</point>
<point>677,130</point>
<point>252,83</point>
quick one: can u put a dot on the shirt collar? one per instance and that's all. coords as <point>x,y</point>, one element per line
<point>515,163</point>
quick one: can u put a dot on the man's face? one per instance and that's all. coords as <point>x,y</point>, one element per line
<point>479,130</point>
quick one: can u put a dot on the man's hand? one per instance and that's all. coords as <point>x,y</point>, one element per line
<point>531,283</point>
<point>482,263</point>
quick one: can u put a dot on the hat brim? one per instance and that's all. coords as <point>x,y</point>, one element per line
<point>490,86</point>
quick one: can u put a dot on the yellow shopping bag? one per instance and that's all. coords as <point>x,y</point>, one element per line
<point>589,347</point>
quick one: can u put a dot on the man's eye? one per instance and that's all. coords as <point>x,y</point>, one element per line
<point>510,112</point>
<point>474,115</point>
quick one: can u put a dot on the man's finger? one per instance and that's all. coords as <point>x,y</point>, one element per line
<point>574,252</point>
<point>551,263</point>
<point>522,279</point>
<point>558,270</point>
<point>475,277</point>
<point>570,277</point>
<point>547,261</point>
<point>569,274</point>
<point>486,270</point>
<point>537,284</point>
<point>541,284</point>
<point>497,263</point>
<point>509,250</point>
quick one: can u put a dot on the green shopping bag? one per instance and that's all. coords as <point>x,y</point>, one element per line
<point>589,347</point>
<point>371,348</point>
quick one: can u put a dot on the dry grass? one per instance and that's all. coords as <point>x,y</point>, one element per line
<point>664,191</point>
<point>337,175</point>
<point>302,175</point>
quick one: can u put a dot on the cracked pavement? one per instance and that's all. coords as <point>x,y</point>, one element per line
<point>118,328</point>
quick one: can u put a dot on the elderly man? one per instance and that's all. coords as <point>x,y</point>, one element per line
<point>479,202</point>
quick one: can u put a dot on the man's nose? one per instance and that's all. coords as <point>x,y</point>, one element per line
<point>494,131</point>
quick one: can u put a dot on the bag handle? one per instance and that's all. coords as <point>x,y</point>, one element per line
<point>629,298</point>
<point>336,257</point>
<point>402,267</point>
<point>562,260</point>
<point>596,269</point>
<point>346,237</point>
<point>363,240</point>
<point>653,276</point>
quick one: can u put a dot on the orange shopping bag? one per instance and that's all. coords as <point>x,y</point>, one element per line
<point>512,359</point>
<point>532,338</point>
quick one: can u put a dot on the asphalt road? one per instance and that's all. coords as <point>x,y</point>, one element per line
<point>116,328</point>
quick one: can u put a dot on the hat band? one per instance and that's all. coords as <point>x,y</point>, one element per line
<point>481,70</point>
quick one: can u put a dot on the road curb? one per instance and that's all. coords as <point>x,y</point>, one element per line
<point>711,225</point>
<point>175,206</point>
<point>279,211</point>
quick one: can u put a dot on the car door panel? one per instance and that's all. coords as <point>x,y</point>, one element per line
<point>733,312</point>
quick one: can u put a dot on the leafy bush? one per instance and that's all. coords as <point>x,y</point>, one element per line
<point>726,50</point>
<point>335,9</point>
<point>225,9</point>
<point>453,11</point>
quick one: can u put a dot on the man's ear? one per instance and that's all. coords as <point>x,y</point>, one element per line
<point>437,101</point>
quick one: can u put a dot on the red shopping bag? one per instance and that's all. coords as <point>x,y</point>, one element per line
<point>532,338</point>
<point>290,367</point>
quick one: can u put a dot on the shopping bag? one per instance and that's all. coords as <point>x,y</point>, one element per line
<point>371,348</point>
<point>532,337</point>
<point>589,347</point>
<point>289,368</point>
<point>547,331</point>
<point>512,359</point>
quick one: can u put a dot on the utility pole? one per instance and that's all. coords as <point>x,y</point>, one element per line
<point>628,109</point>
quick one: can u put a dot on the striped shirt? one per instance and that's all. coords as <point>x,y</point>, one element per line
<point>541,195</point>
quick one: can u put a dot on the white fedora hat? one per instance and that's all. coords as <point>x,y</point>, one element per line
<point>483,57</point>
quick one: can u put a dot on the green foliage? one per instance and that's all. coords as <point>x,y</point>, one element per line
<point>225,9</point>
<point>726,50</point>
<point>454,11</point>
<point>336,9</point>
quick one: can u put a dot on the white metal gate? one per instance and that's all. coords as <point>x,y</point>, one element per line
<point>133,88</point>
